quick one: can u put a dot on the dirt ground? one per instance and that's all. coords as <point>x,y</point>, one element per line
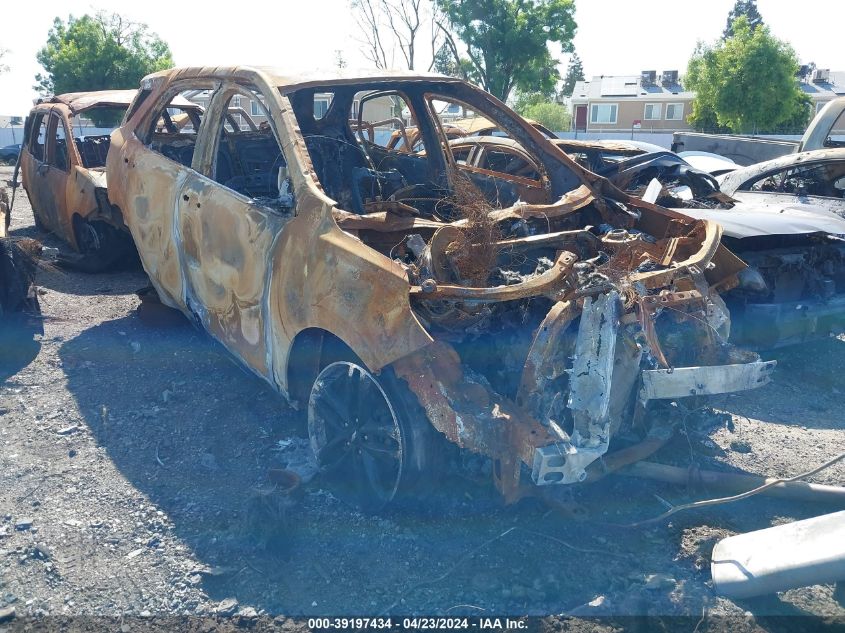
<point>134,455</point>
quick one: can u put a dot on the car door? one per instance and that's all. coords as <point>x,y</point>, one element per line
<point>55,178</point>
<point>34,165</point>
<point>153,161</point>
<point>230,211</point>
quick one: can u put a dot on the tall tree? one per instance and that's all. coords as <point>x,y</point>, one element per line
<point>97,53</point>
<point>507,41</point>
<point>747,8</point>
<point>408,26</point>
<point>746,83</point>
<point>574,74</point>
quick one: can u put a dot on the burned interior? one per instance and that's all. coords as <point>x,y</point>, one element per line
<point>405,297</point>
<point>543,314</point>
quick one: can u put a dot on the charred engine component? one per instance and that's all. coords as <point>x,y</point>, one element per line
<point>562,342</point>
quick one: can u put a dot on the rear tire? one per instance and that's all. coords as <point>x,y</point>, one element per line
<point>374,445</point>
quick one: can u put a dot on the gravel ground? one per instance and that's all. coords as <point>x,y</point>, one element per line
<point>133,484</point>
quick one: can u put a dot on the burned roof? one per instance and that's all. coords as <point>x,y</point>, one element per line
<point>288,81</point>
<point>79,102</point>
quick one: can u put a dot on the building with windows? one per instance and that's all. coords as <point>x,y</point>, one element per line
<point>652,102</point>
<point>822,85</point>
<point>646,102</point>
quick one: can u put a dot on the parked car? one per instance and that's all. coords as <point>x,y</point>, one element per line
<point>66,181</point>
<point>784,218</point>
<point>407,139</point>
<point>600,154</point>
<point>406,299</point>
<point>816,177</point>
<point>9,154</point>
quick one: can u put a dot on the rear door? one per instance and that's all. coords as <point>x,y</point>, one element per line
<point>154,162</point>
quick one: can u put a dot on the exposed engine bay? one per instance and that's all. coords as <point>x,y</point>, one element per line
<point>570,316</point>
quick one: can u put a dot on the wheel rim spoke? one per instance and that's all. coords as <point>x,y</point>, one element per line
<point>371,448</point>
<point>373,476</point>
<point>355,434</point>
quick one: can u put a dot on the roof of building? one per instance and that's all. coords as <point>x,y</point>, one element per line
<point>631,86</point>
<point>628,86</point>
<point>834,87</point>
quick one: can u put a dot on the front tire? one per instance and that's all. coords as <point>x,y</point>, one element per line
<point>372,441</point>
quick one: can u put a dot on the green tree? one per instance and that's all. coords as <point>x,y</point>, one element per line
<point>746,83</point>
<point>525,100</point>
<point>102,52</point>
<point>507,41</point>
<point>574,74</point>
<point>553,115</point>
<point>747,8</point>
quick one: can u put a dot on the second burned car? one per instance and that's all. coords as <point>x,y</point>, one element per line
<point>62,164</point>
<point>405,298</point>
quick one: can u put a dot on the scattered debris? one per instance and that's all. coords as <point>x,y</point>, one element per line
<point>227,607</point>
<point>797,554</point>
<point>21,525</point>
<point>7,614</point>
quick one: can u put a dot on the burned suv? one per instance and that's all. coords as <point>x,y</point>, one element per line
<point>62,162</point>
<point>407,297</point>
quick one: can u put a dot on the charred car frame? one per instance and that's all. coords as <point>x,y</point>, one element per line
<point>404,298</point>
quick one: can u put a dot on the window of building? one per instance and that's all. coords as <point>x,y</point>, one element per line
<point>236,102</point>
<point>321,106</point>
<point>675,112</point>
<point>255,108</point>
<point>603,113</point>
<point>653,112</point>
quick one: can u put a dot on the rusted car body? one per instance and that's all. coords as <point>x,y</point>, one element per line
<point>401,294</point>
<point>63,172</point>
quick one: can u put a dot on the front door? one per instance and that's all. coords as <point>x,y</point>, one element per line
<point>581,118</point>
<point>34,167</point>
<point>229,213</point>
<point>55,175</point>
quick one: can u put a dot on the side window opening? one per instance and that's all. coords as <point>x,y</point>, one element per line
<point>502,175</point>
<point>249,159</point>
<point>173,132</point>
<point>823,180</point>
<point>94,147</point>
<point>58,152</point>
<point>38,136</point>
